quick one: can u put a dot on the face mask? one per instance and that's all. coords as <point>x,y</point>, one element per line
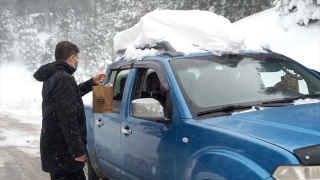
<point>75,66</point>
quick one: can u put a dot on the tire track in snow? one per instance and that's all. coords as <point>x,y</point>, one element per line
<point>19,150</point>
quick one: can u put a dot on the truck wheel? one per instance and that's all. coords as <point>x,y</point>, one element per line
<point>90,172</point>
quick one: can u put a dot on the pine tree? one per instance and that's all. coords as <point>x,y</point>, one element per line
<point>94,48</point>
<point>49,49</point>
<point>7,37</point>
<point>305,10</point>
<point>92,52</point>
<point>31,48</point>
<point>232,10</point>
<point>67,25</point>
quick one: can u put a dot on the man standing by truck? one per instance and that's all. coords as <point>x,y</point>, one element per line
<point>63,133</point>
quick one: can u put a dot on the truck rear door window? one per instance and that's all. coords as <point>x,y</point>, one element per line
<point>118,87</point>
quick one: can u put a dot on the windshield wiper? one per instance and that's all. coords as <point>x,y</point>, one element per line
<point>226,109</point>
<point>312,96</point>
<point>284,100</point>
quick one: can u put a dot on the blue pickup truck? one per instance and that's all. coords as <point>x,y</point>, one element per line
<point>250,116</point>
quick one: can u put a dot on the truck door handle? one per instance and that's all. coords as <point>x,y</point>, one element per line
<point>99,122</point>
<point>126,131</point>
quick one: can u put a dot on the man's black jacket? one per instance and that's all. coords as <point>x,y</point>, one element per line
<point>63,133</point>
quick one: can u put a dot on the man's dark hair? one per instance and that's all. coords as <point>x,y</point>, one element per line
<point>64,50</point>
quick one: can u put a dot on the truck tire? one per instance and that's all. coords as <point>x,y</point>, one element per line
<point>91,174</point>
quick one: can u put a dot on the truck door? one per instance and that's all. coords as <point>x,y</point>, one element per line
<point>148,147</point>
<point>107,128</point>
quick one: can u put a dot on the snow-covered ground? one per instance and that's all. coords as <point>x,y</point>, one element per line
<point>20,100</point>
<point>20,94</point>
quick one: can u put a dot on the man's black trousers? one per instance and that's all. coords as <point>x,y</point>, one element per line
<point>79,175</point>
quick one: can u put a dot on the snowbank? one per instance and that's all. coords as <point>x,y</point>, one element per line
<point>19,90</point>
<point>25,141</point>
<point>20,100</point>
<point>187,31</point>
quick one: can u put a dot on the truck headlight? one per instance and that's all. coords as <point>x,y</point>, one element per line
<point>297,173</point>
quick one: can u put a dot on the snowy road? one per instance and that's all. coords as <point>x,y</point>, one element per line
<point>19,150</point>
<point>19,165</point>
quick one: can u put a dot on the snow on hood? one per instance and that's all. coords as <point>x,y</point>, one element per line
<point>253,108</point>
<point>188,32</point>
<point>305,101</point>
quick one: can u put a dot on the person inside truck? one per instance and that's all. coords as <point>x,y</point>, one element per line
<point>155,89</point>
<point>158,92</point>
<point>282,85</point>
<point>287,83</point>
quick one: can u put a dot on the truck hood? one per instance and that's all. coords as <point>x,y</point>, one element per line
<point>288,127</point>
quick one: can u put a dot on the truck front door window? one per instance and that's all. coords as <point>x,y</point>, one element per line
<point>147,85</point>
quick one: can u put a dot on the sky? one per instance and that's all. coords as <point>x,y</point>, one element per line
<point>20,93</point>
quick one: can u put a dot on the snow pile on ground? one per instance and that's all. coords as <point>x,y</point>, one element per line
<point>282,35</point>
<point>20,100</point>
<point>187,31</point>
<point>21,128</point>
<point>26,141</point>
<point>19,90</point>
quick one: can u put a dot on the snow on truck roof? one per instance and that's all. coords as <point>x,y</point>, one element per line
<point>192,31</point>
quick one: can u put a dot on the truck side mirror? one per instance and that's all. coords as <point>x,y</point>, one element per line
<point>148,108</point>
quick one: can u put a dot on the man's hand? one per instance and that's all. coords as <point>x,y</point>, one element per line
<point>99,78</point>
<point>81,158</point>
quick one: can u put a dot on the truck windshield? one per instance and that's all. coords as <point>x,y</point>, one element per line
<point>213,82</point>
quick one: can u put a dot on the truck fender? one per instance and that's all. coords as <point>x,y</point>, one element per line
<point>223,164</point>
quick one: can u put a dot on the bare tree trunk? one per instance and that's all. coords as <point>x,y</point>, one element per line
<point>46,15</point>
<point>95,13</point>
